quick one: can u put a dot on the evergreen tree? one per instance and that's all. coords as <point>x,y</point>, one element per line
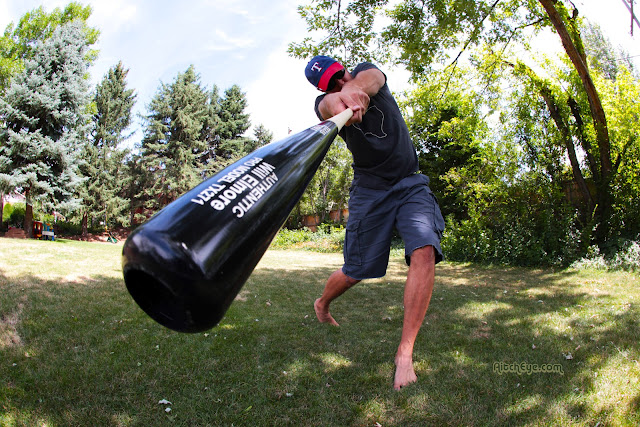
<point>174,142</point>
<point>45,123</point>
<point>190,134</point>
<point>104,157</point>
<point>137,179</point>
<point>211,134</point>
<point>19,42</point>
<point>262,135</point>
<point>234,122</point>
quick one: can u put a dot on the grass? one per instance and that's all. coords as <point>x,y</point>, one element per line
<point>75,350</point>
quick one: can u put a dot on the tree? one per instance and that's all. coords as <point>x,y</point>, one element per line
<point>225,129</point>
<point>447,130</point>
<point>262,136</point>
<point>45,122</point>
<point>190,133</point>
<point>234,122</point>
<point>621,104</point>
<point>175,143</point>
<point>18,44</point>
<point>329,187</point>
<point>572,136</point>
<point>424,33</point>
<point>103,156</point>
<point>137,180</point>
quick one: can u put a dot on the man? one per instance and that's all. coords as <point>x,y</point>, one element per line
<point>386,192</point>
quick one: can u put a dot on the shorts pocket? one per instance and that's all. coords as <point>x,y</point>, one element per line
<point>352,254</point>
<point>438,220</point>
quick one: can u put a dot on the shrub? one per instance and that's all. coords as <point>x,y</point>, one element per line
<point>66,228</point>
<point>592,260</point>
<point>466,240</point>
<point>14,214</point>
<point>536,237</point>
<point>328,238</point>
<point>627,258</point>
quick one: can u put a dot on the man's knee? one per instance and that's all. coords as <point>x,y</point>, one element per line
<point>424,255</point>
<point>350,281</point>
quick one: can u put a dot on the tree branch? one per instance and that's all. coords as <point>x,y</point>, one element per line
<point>597,111</point>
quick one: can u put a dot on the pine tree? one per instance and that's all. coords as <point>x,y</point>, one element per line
<point>45,123</point>
<point>224,131</point>
<point>18,43</point>
<point>174,145</point>
<point>234,123</point>
<point>137,179</point>
<point>190,134</point>
<point>262,135</point>
<point>211,135</point>
<point>104,158</point>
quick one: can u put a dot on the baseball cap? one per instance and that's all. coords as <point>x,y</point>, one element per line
<point>320,70</point>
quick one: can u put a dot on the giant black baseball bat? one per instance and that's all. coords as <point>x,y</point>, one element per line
<point>185,266</point>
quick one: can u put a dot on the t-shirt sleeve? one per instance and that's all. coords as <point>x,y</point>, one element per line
<point>316,109</point>
<point>363,66</point>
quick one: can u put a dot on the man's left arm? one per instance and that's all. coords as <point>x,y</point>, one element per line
<point>369,81</point>
<point>357,92</point>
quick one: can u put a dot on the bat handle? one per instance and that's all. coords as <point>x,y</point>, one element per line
<point>341,118</point>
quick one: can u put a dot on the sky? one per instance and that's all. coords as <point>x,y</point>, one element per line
<point>241,42</point>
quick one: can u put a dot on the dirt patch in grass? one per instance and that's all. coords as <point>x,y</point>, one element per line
<point>9,336</point>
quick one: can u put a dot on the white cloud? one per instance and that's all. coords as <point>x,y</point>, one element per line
<point>4,14</point>
<point>223,42</point>
<point>111,16</point>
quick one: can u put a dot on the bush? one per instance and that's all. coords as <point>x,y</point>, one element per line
<point>14,214</point>
<point>629,258</point>
<point>66,228</point>
<point>537,237</point>
<point>626,259</point>
<point>328,238</point>
<point>466,240</point>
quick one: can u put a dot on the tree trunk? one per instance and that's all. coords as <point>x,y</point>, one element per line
<point>597,112</point>
<point>568,143</point>
<point>85,218</point>
<point>28,215</point>
<point>603,181</point>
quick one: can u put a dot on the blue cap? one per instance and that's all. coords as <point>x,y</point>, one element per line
<point>320,70</point>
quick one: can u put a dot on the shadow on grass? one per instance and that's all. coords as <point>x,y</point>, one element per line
<point>81,353</point>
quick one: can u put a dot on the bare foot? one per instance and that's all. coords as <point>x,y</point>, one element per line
<point>405,374</point>
<point>323,314</point>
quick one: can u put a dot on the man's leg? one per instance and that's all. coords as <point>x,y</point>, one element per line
<point>417,294</point>
<point>337,284</point>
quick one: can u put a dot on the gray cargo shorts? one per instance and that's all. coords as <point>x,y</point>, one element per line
<point>409,206</point>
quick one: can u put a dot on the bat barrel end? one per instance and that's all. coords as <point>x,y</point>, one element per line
<point>172,310</point>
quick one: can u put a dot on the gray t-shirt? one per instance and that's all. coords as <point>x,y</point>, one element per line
<point>382,150</point>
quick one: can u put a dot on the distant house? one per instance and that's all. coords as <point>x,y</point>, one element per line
<point>13,197</point>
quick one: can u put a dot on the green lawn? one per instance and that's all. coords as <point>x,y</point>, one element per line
<point>76,350</point>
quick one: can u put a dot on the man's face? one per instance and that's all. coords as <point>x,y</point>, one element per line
<point>338,80</point>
